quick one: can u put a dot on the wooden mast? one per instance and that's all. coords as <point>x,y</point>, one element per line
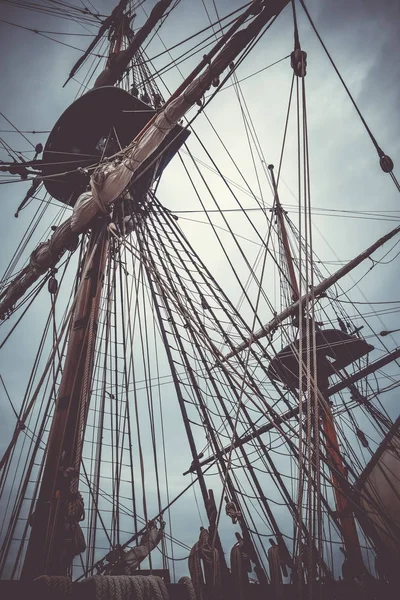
<point>284,236</point>
<point>334,457</point>
<point>47,551</point>
<point>343,507</point>
<point>51,546</point>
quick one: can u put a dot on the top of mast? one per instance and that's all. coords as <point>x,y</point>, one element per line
<point>107,23</point>
<point>119,62</point>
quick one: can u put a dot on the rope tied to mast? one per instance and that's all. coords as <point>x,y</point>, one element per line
<point>74,541</point>
<point>187,582</point>
<point>240,567</point>
<point>202,551</point>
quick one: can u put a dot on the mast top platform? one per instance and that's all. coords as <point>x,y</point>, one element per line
<point>95,126</point>
<point>335,351</point>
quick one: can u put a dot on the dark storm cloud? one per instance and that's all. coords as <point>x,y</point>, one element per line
<point>369,34</point>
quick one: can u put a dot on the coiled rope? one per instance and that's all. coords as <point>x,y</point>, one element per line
<point>189,587</point>
<point>126,587</point>
<point>121,587</point>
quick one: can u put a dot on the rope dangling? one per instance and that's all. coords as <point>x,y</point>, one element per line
<point>202,551</point>
<point>240,567</point>
<point>74,540</point>
<point>277,567</point>
<point>231,510</point>
<point>195,556</point>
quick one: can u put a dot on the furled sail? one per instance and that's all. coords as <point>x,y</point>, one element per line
<point>128,561</point>
<point>149,541</point>
<point>379,487</point>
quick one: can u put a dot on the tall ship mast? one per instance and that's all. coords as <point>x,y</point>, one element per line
<point>200,387</point>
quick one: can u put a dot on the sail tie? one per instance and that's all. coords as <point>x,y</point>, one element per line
<point>232,511</point>
<point>98,179</point>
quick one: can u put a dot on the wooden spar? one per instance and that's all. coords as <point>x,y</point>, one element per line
<point>285,239</point>
<point>293,412</point>
<point>371,368</point>
<point>316,291</point>
<point>254,6</point>
<point>286,247</point>
<point>207,57</point>
<point>111,75</point>
<point>142,147</point>
<point>122,29</point>
<point>46,546</point>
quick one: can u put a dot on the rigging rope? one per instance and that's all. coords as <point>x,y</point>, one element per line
<point>385,161</point>
<point>116,587</point>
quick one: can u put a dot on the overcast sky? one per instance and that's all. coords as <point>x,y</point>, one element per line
<point>363,37</point>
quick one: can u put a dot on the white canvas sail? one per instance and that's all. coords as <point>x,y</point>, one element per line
<point>380,491</point>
